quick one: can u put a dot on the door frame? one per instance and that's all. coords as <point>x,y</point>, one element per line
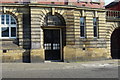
<point>61,48</point>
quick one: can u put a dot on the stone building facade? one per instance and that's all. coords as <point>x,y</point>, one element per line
<point>56,33</point>
<point>113,20</point>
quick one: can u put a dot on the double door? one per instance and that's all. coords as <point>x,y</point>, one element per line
<point>52,44</point>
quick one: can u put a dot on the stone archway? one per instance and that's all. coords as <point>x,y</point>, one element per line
<point>54,36</point>
<point>54,20</point>
<point>115,44</point>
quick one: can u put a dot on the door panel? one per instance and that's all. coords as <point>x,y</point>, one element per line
<point>52,44</point>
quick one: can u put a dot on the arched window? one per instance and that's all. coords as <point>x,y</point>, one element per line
<point>8,26</point>
<point>54,20</point>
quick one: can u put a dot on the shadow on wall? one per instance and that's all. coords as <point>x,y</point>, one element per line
<point>26,37</point>
<point>115,44</point>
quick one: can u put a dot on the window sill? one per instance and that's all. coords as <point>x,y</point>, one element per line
<point>83,37</point>
<point>95,38</point>
<point>8,39</point>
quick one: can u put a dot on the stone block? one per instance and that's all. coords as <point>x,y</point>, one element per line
<point>12,57</point>
<point>36,45</point>
<point>78,54</point>
<point>69,54</point>
<point>37,55</point>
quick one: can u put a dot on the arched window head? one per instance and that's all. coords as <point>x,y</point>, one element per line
<point>8,27</point>
<point>54,20</point>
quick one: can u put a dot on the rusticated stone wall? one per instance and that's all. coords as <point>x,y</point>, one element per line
<point>30,39</point>
<point>111,26</point>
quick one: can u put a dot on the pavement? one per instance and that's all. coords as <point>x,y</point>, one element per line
<point>89,69</point>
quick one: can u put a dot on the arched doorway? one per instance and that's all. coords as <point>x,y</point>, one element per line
<point>54,30</point>
<point>115,44</point>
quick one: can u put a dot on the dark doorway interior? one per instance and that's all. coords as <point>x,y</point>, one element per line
<point>115,44</point>
<point>52,44</point>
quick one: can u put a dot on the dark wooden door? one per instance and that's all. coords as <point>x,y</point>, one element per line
<point>52,44</point>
